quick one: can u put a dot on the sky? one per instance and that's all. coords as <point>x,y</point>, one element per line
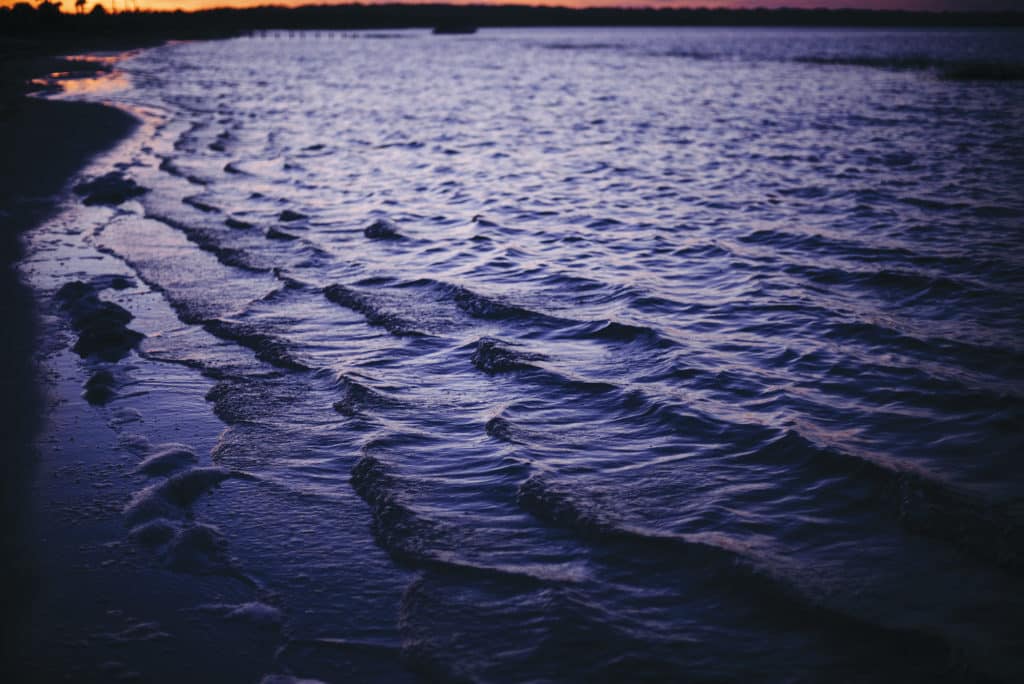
<point>859,4</point>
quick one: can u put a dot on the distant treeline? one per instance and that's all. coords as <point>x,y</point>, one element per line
<point>24,20</point>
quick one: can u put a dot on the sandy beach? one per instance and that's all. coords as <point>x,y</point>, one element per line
<point>42,145</point>
<point>81,601</point>
<point>45,143</point>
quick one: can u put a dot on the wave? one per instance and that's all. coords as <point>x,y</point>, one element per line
<point>246,400</point>
<point>356,397</point>
<point>492,355</point>
<point>402,532</point>
<point>499,427</point>
<point>291,216</point>
<point>722,562</point>
<point>914,286</point>
<point>278,234</point>
<point>210,241</point>
<point>414,539</point>
<point>562,630</point>
<point>950,70</point>
<point>628,412</point>
<point>614,331</point>
<point>169,166</point>
<point>827,245</point>
<point>268,347</point>
<point>478,305</point>
<point>990,532</point>
<point>196,203</point>
<point>382,229</point>
<point>375,314</point>
<point>237,224</point>
<point>994,358</point>
<point>486,307</point>
<point>483,307</point>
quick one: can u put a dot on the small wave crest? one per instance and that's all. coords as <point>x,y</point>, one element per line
<point>479,305</point>
<point>268,347</point>
<point>383,229</point>
<point>398,528</point>
<point>621,333</point>
<point>922,504</point>
<point>492,355</point>
<point>371,310</point>
<point>356,397</point>
<point>717,561</point>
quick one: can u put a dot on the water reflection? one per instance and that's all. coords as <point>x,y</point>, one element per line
<point>90,75</point>
<point>736,362</point>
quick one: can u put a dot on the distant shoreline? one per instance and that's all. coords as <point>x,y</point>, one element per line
<point>225,22</point>
<point>44,142</point>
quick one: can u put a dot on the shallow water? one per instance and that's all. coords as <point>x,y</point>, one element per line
<point>597,354</point>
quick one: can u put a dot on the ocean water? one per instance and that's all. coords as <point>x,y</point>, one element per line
<point>591,355</point>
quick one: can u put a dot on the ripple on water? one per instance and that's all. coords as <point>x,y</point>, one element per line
<point>635,345</point>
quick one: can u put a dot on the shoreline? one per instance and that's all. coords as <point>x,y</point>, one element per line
<point>85,599</point>
<point>44,144</point>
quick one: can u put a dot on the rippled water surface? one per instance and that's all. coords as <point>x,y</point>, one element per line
<point>604,354</point>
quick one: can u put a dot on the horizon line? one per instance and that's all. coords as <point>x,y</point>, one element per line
<point>532,5</point>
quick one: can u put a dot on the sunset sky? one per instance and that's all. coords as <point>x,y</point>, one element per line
<point>977,5</point>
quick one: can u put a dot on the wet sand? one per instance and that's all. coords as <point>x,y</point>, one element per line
<point>82,603</point>
<point>42,145</point>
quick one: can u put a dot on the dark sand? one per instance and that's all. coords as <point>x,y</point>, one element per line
<point>80,604</point>
<point>42,145</point>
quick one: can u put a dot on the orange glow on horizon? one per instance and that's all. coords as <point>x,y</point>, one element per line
<point>913,5</point>
<point>198,5</point>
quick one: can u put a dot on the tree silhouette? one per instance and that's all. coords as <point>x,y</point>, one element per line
<point>48,12</point>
